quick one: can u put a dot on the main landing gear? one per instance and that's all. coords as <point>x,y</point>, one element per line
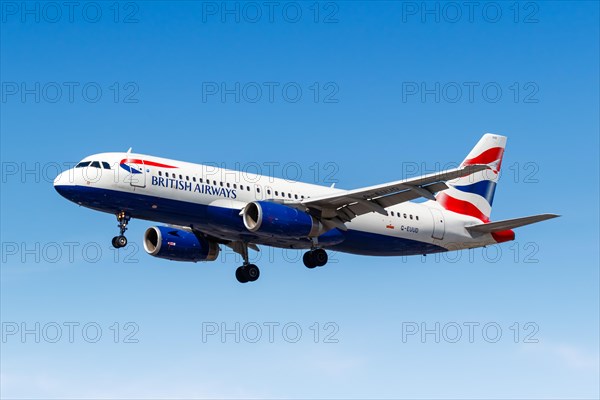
<point>315,258</point>
<point>247,272</point>
<point>121,240</point>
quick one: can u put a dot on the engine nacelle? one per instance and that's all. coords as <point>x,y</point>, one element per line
<point>178,245</point>
<point>275,219</point>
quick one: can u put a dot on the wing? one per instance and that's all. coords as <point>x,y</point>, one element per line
<point>336,209</point>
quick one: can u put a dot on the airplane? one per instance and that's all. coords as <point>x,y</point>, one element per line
<point>204,207</point>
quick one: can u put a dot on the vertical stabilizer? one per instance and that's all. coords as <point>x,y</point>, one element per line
<point>474,194</point>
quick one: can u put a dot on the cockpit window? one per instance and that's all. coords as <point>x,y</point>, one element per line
<point>83,164</point>
<point>105,165</point>
<point>95,164</point>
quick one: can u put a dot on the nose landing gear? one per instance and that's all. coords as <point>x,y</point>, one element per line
<point>121,240</point>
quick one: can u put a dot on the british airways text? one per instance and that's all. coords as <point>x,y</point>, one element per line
<point>191,187</point>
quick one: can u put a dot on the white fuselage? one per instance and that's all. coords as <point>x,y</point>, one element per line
<point>210,199</point>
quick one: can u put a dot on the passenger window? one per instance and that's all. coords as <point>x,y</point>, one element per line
<point>95,164</point>
<point>417,217</point>
<point>404,215</point>
<point>248,188</point>
<point>83,164</point>
<point>215,183</point>
<point>282,194</point>
<point>200,179</point>
<point>268,191</point>
<point>227,184</point>
<point>221,184</point>
<point>392,213</point>
<point>181,177</point>
<point>290,195</point>
<point>296,196</point>
<point>410,216</point>
<point>302,197</point>
<point>235,186</point>
<point>174,176</point>
<point>257,189</point>
<point>187,178</point>
<point>276,193</point>
<point>159,173</point>
<point>105,165</point>
<point>194,178</point>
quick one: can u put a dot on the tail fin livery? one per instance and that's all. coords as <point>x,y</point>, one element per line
<point>474,194</point>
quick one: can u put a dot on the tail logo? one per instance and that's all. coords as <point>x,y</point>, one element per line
<point>473,195</point>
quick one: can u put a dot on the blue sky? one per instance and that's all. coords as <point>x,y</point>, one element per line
<point>362,93</point>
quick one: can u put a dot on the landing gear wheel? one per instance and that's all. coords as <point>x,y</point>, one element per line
<point>119,241</point>
<point>315,258</point>
<point>309,260</point>
<point>320,257</point>
<point>247,272</point>
<point>252,272</point>
<point>240,275</point>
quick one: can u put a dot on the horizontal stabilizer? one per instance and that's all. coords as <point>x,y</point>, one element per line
<point>509,223</point>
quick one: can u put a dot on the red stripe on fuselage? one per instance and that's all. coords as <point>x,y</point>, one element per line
<point>146,162</point>
<point>460,206</point>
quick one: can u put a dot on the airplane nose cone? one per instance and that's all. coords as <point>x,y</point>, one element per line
<point>67,186</point>
<point>61,183</point>
<point>57,179</point>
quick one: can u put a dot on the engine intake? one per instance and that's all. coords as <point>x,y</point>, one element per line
<point>179,245</point>
<point>275,219</point>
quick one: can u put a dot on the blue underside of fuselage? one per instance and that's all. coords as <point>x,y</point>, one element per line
<point>227,224</point>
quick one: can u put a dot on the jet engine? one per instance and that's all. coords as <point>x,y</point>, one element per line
<point>273,219</point>
<point>179,245</point>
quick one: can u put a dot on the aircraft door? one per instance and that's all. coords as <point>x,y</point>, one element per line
<point>439,224</point>
<point>137,173</point>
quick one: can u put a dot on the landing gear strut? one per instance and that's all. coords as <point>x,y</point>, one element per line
<point>121,240</point>
<point>247,272</point>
